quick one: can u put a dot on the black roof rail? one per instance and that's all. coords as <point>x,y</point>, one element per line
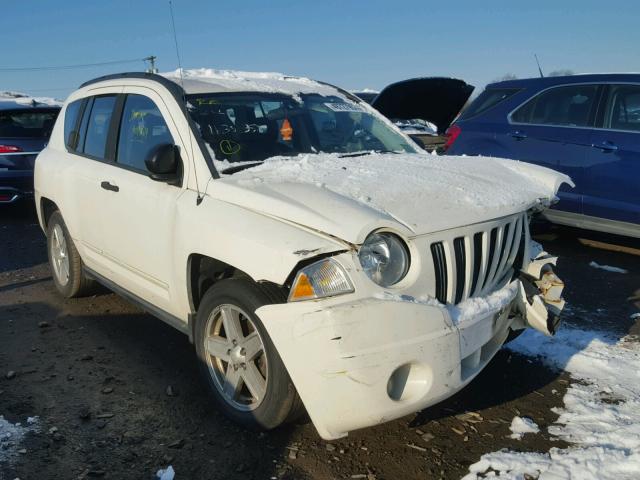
<point>172,86</point>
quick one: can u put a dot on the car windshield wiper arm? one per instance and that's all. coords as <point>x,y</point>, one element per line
<point>368,152</point>
<point>239,168</point>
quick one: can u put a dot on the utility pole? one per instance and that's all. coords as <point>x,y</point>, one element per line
<point>152,64</point>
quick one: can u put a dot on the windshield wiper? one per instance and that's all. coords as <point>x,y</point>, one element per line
<point>367,152</point>
<point>239,168</point>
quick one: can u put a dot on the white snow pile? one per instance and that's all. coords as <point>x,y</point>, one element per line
<point>11,436</point>
<point>608,268</point>
<point>478,307</point>
<point>365,90</point>
<point>521,425</point>
<point>600,417</point>
<point>166,473</point>
<point>470,309</point>
<point>204,80</point>
<point>24,99</point>
<point>408,185</point>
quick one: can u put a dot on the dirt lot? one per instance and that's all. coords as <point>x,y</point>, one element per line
<point>118,394</point>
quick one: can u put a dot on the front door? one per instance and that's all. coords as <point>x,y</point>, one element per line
<point>139,226</point>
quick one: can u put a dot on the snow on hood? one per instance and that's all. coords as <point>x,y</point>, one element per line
<point>21,99</point>
<point>208,80</point>
<point>416,193</point>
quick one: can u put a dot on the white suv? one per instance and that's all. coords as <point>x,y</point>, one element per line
<point>315,256</point>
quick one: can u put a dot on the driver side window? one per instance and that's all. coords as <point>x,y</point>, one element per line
<point>142,128</point>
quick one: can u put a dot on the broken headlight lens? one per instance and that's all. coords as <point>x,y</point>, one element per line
<point>384,258</point>
<point>325,278</point>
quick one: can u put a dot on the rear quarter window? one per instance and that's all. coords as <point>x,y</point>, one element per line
<point>70,124</point>
<point>487,100</point>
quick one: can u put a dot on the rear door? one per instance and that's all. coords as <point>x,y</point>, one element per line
<point>552,129</point>
<point>612,186</point>
<point>88,162</point>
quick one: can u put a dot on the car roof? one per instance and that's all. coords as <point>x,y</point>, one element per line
<point>205,80</point>
<point>567,79</point>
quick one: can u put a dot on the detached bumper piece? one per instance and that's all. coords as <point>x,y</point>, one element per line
<point>540,299</point>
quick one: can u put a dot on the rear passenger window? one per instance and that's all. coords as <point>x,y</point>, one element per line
<point>623,108</point>
<point>142,129</point>
<point>568,106</point>
<point>70,121</point>
<point>95,141</point>
<point>487,100</point>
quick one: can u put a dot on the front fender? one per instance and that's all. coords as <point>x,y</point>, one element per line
<point>264,248</point>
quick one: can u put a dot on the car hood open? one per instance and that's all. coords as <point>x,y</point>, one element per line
<point>435,99</point>
<point>348,197</point>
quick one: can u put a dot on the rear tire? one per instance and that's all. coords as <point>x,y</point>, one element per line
<point>242,367</point>
<point>64,260</point>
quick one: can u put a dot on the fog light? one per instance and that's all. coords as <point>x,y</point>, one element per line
<point>409,382</point>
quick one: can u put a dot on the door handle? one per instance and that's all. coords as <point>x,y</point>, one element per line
<point>518,135</point>
<point>110,186</point>
<point>606,146</point>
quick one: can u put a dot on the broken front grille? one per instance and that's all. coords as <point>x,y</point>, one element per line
<point>473,264</point>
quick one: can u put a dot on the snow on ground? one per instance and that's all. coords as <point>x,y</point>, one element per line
<point>521,425</point>
<point>166,473</point>
<point>600,417</point>
<point>11,436</point>
<point>608,268</point>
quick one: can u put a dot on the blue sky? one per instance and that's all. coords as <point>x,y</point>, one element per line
<point>354,44</point>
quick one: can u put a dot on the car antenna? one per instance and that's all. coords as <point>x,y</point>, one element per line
<point>199,197</point>
<point>536,57</point>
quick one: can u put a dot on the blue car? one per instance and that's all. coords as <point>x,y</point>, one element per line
<point>587,126</point>
<point>25,127</point>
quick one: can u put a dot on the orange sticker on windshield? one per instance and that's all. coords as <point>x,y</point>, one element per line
<point>286,131</point>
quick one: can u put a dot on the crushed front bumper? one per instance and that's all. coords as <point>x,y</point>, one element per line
<point>540,301</point>
<point>358,362</point>
<point>368,361</point>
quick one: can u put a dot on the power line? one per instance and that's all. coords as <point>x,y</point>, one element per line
<point>70,67</point>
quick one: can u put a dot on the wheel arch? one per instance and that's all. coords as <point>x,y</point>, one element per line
<point>204,271</point>
<point>47,207</point>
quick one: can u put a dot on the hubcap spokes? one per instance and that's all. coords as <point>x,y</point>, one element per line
<point>236,357</point>
<point>59,257</point>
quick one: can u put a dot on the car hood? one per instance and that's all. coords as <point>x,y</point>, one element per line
<point>435,99</point>
<point>348,197</point>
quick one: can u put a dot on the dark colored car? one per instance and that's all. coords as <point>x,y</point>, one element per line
<point>422,107</point>
<point>25,127</point>
<point>587,126</point>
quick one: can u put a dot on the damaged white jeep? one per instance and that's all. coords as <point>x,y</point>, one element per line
<point>315,256</point>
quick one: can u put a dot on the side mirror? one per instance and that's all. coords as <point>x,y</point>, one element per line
<point>164,164</point>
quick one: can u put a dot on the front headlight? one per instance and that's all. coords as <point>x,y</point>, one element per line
<point>384,258</point>
<point>325,278</point>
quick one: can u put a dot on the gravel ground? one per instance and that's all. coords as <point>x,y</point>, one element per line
<point>117,392</point>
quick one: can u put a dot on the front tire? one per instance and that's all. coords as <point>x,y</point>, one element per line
<point>64,260</point>
<point>241,365</point>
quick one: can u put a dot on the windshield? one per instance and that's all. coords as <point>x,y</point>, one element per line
<point>242,128</point>
<point>27,123</point>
